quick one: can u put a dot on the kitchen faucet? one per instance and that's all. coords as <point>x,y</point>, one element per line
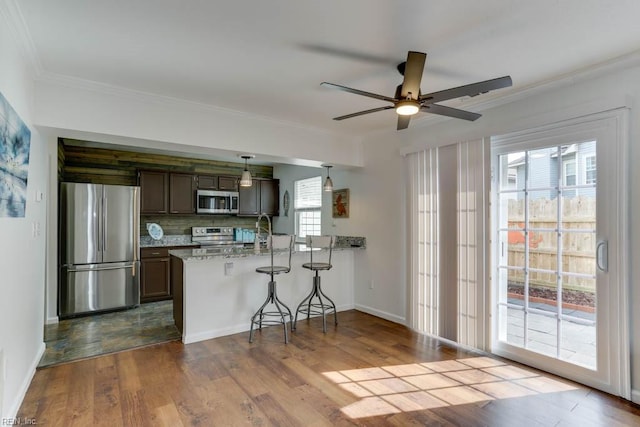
<point>256,243</point>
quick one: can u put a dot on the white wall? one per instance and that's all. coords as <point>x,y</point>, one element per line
<point>104,110</point>
<point>22,255</point>
<point>376,212</point>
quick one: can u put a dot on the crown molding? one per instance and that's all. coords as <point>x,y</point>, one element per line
<point>148,97</point>
<point>12,15</point>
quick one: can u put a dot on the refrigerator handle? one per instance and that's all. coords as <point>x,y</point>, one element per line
<point>104,223</point>
<point>136,226</point>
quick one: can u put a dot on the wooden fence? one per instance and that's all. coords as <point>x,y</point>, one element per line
<point>578,248</point>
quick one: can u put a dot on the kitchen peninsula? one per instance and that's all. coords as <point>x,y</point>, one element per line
<point>216,291</point>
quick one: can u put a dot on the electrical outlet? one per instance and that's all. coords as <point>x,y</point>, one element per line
<point>228,268</point>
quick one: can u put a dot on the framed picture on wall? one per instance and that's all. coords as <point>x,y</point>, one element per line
<point>340,203</point>
<point>15,138</point>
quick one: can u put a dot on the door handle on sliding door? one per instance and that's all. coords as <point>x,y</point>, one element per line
<point>602,255</point>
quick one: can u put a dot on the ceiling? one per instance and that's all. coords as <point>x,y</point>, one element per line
<point>268,57</point>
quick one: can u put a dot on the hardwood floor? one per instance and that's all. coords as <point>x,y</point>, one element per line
<point>367,371</point>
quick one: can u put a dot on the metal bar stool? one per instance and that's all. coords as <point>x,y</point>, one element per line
<point>279,317</point>
<point>307,305</point>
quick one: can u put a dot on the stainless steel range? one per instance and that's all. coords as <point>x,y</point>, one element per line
<point>214,236</point>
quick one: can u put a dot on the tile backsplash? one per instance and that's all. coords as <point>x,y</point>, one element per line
<point>181,224</point>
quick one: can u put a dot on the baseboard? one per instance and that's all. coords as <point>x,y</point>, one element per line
<point>52,320</point>
<point>15,405</point>
<point>382,314</point>
<point>214,333</point>
<point>235,329</point>
<point>635,396</point>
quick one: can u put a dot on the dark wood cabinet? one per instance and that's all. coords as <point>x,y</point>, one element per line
<point>208,182</point>
<point>166,192</point>
<point>218,182</point>
<point>262,197</point>
<point>270,196</point>
<point>155,273</point>
<point>249,200</point>
<point>181,193</point>
<point>228,183</point>
<point>154,192</point>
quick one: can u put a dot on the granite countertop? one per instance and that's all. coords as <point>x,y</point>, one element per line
<point>341,242</point>
<point>170,240</point>
<point>199,254</point>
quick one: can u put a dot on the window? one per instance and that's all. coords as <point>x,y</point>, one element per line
<point>307,205</point>
<point>569,172</point>
<point>590,169</point>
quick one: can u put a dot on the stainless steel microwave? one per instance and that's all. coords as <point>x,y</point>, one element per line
<point>217,202</point>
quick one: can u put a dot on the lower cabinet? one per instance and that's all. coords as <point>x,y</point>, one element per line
<point>155,273</point>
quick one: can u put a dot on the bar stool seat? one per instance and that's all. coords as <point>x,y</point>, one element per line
<point>276,269</point>
<point>317,265</point>
<point>322,305</point>
<point>277,315</point>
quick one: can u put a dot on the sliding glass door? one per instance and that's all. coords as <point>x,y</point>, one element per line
<point>554,220</point>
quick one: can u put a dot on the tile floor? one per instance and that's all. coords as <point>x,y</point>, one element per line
<point>89,336</point>
<point>578,343</point>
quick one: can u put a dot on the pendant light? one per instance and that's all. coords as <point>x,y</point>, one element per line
<point>245,179</point>
<point>328,184</point>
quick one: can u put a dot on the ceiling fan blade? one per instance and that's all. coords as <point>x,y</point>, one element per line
<point>358,92</point>
<point>413,74</point>
<point>450,112</point>
<point>472,89</point>
<point>361,113</point>
<point>403,122</point>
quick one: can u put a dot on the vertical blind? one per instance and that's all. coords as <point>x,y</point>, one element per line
<point>308,193</point>
<point>448,241</point>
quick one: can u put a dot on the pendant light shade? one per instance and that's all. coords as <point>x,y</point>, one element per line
<point>328,183</point>
<point>245,179</point>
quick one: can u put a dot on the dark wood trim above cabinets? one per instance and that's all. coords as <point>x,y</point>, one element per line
<point>262,197</point>
<point>166,192</point>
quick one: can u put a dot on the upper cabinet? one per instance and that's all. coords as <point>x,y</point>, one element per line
<point>174,193</point>
<point>218,182</point>
<point>228,183</point>
<point>154,192</point>
<point>262,197</point>
<point>207,182</point>
<point>181,193</point>
<point>166,192</point>
<point>270,196</point>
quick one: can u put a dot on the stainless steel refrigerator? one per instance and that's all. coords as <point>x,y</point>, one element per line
<point>99,248</point>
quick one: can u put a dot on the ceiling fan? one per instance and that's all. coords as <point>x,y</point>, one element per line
<point>408,99</point>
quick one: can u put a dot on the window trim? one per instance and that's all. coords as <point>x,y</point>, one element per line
<point>566,163</point>
<point>587,170</point>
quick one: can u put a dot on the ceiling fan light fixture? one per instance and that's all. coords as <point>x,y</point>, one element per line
<point>407,108</point>
<point>245,179</point>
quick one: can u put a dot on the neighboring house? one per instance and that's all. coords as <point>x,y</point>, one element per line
<point>578,169</point>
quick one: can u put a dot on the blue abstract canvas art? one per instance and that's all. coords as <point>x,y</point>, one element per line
<point>15,138</point>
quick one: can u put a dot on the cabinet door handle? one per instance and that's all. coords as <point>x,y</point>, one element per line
<point>155,253</point>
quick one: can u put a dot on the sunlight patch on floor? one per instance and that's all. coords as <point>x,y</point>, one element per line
<point>418,386</point>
